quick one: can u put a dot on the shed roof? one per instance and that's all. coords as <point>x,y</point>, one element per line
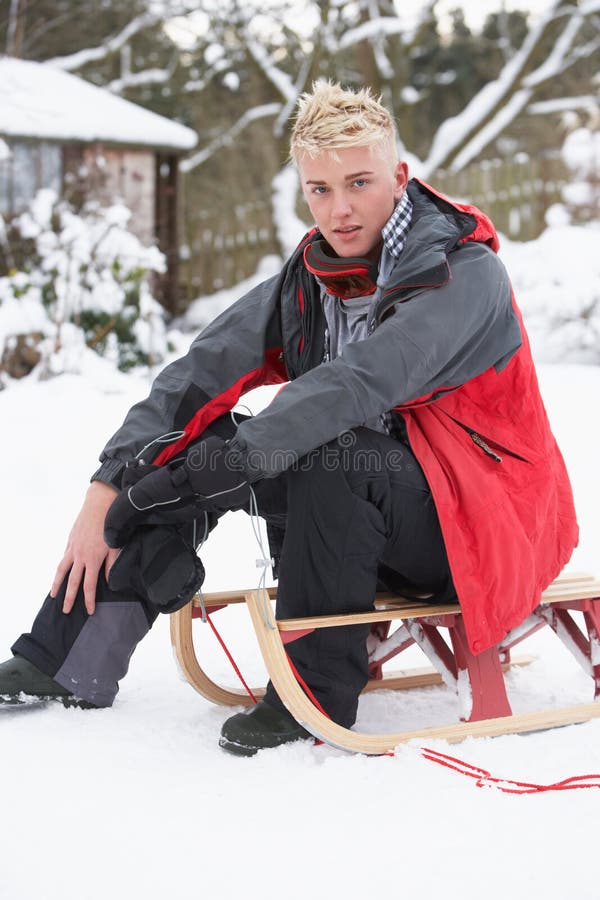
<point>40,101</point>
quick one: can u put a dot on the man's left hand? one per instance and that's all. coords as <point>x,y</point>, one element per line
<point>206,479</point>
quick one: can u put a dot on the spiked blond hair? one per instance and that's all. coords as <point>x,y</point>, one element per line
<point>332,117</point>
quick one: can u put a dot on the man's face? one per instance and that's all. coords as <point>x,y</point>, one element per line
<point>352,197</point>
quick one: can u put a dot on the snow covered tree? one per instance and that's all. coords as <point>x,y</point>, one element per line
<point>233,70</point>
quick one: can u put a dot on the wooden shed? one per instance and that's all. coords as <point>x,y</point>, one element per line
<point>57,131</point>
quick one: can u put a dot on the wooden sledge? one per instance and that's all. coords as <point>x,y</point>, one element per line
<point>478,681</point>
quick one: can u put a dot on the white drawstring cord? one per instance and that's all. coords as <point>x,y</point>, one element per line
<point>263,563</point>
<point>233,411</point>
<point>198,547</point>
<point>162,439</point>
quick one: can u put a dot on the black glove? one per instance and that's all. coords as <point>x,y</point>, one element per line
<point>205,480</point>
<point>159,564</point>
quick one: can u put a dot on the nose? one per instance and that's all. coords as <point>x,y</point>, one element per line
<point>341,207</point>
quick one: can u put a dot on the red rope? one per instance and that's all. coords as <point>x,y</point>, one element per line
<point>305,687</point>
<point>230,657</point>
<point>307,691</point>
<point>482,777</point>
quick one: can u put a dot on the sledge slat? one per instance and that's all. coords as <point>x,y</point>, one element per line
<point>323,728</point>
<point>426,676</point>
<point>566,577</point>
<point>224,598</point>
<point>378,615</point>
<point>391,606</point>
<point>580,590</point>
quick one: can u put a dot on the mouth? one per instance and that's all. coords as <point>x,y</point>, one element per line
<point>347,231</point>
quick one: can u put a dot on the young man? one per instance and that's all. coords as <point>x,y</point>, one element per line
<point>410,447</point>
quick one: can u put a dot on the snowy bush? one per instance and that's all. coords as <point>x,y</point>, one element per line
<point>74,282</point>
<point>557,284</point>
<point>581,153</point>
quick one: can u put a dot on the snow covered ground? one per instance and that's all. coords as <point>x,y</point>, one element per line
<point>140,801</point>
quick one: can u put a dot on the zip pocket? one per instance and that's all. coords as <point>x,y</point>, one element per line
<point>487,445</point>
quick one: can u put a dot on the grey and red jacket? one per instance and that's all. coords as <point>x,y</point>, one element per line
<point>448,352</point>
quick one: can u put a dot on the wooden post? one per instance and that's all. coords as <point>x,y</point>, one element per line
<point>167,230</point>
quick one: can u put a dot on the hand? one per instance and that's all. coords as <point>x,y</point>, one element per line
<point>205,480</point>
<point>86,549</point>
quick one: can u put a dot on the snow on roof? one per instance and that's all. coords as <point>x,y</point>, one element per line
<point>39,101</point>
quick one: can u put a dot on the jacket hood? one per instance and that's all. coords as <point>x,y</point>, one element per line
<point>482,228</point>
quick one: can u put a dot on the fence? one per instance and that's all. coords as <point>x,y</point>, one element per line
<point>515,193</point>
<point>224,246</point>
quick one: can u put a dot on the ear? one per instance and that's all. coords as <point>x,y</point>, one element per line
<point>400,179</point>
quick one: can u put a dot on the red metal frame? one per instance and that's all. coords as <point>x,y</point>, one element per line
<point>478,679</point>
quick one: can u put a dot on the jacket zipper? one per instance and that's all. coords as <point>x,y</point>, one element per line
<point>477,439</point>
<point>305,329</point>
<point>484,444</point>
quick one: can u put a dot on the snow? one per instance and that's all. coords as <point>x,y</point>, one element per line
<point>205,309</point>
<point>581,152</point>
<point>232,81</point>
<point>45,103</point>
<point>140,801</point>
<point>555,279</point>
<point>290,228</point>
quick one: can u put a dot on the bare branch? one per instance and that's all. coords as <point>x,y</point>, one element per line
<point>559,51</point>
<point>112,45</point>
<point>199,84</point>
<point>492,129</point>
<point>43,28</point>
<point>136,79</point>
<point>290,104</point>
<point>372,29</point>
<point>377,42</point>
<point>587,102</point>
<point>11,32</point>
<point>227,137</point>
<point>276,76</point>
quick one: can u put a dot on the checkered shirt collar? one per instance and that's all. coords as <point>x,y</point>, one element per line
<point>397,226</point>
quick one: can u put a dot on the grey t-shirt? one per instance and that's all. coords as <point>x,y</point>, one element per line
<point>347,321</point>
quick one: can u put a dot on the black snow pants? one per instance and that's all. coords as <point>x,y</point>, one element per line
<point>358,515</point>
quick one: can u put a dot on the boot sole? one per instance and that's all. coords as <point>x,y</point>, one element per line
<point>237,749</point>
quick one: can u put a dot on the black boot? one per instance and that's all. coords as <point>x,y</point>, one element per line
<point>21,683</point>
<point>246,733</point>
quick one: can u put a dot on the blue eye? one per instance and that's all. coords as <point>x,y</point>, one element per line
<point>319,189</point>
<point>360,182</point>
